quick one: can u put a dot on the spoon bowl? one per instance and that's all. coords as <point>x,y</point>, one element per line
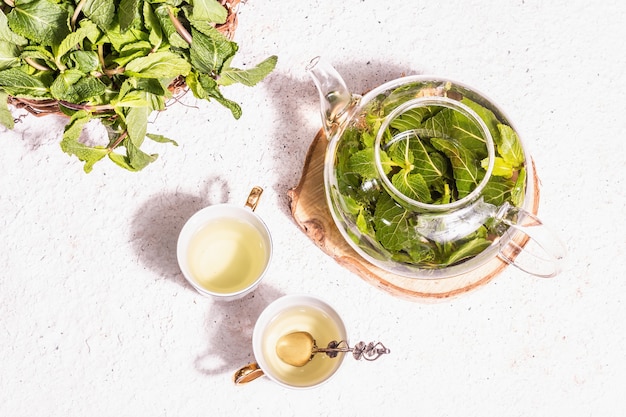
<point>296,348</point>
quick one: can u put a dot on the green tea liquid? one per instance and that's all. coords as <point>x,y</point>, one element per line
<point>227,255</point>
<point>323,329</point>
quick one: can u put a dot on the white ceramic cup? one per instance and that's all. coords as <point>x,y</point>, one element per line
<point>294,313</point>
<point>224,250</point>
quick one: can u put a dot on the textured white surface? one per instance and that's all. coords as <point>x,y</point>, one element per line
<point>96,319</point>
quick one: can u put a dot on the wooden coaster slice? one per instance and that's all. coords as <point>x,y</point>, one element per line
<point>310,211</point>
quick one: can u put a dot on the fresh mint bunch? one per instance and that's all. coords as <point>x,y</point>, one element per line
<point>114,60</point>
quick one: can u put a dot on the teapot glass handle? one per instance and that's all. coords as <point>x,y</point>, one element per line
<point>530,245</point>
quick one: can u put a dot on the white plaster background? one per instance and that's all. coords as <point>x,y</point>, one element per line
<point>95,317</point>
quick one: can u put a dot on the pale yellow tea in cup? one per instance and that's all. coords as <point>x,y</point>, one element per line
<point>315,319</point>
<point>224,250</point>
<point>227,255</point>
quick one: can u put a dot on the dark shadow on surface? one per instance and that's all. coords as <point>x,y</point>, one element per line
<point>229,326</point>
<point>158,222</point>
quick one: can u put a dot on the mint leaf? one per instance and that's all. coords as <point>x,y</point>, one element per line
<point>135,98</point>
<point>420,253</point>
<point>364,224</point>
<point>41,54</point>
<point>209,53</point>
<point>74,39</point>
<point>466,170</point>
<point>168,27</point>
<point>41,21</point>
<point>161,139</point>
<point>128,13</point>
<point>61,85</point>
<point>412,118</point>
<point>9,55</point>
<point>153,25</point>
<point>205,87</point>
<point>209,10</point>
<point>6,118</point>
<point>519,189</point>
<point>137,124</point>
<point>362,163</point>
<point>497,191</point>
<point>501,168</point>
<point>412,185</point>
<point>73,86</point>
<point>431,165</point>
<point>247,77</point>
<point>84,61</point>
<point>132,51</point>
<point>101,12</point>
<point>350,205</point>
<point>449,123</point>
<point>487,116</point>
<point>158,65</point>
<point>122,161</point>
<point>117,40</point>
<point>467,250</point>
<point>18,83</point>
<point>235,109</point>
<point>509,146</point>
<point>392,222</point>
<point>401,154</point>
<point>71,145</point>
<point>7,35</point>
<point>135,159</point>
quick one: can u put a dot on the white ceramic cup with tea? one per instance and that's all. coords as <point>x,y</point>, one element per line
<point>288,314</point>
<point>224,250</point>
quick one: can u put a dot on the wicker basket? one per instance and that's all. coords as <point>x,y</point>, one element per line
<point>51,106</point>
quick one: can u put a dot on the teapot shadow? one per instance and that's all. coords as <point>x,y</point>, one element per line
<point>296,100</point>
<point>156,225</point>
<point>230,325</point>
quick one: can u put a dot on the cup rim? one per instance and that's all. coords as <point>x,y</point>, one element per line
<point>275,307</point>
<point>198,219</point>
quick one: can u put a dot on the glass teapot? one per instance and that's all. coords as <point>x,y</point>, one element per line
<point>427,178</point>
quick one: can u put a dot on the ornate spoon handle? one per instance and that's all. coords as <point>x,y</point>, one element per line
<point>369,352</point>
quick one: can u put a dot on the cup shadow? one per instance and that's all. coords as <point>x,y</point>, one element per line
<point>229,326</point>
<point>157,223</point>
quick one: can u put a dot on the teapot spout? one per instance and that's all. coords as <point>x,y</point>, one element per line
<point>335,99</point>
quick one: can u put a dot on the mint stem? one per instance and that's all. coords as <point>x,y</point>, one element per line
<point>179,26</point>
<point>36,65</point>
<point>77,11</point>
<point>87,107</point>
<point>119,140</point>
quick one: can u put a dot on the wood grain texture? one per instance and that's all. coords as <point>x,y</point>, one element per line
<point>310,211</point>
